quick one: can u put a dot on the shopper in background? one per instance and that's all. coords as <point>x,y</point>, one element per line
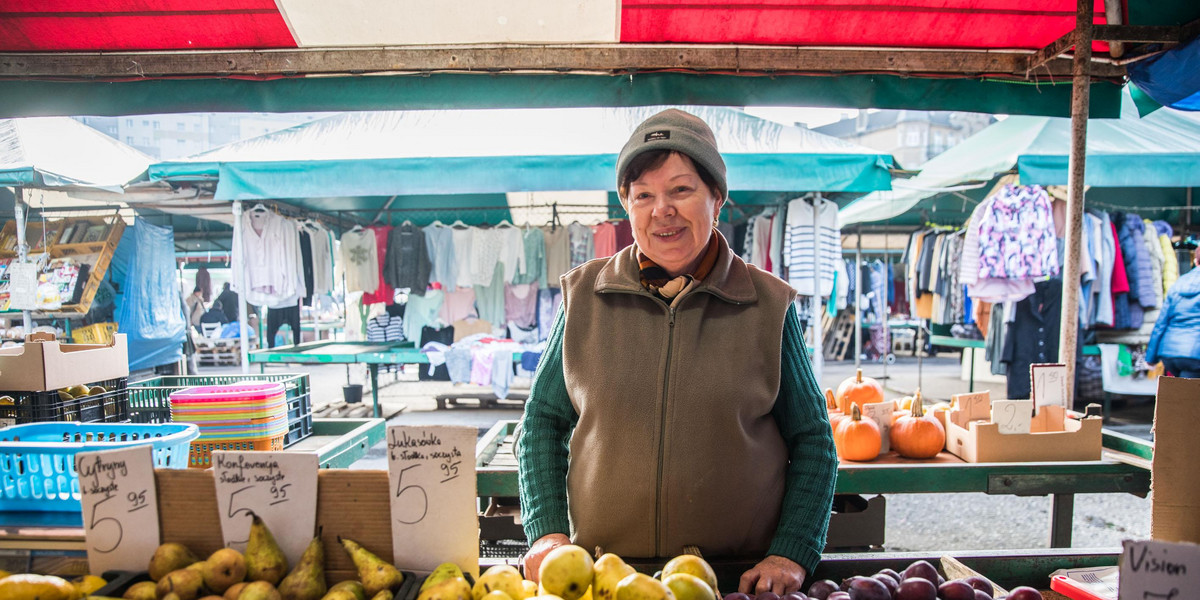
<point>675,404</point>
<point>228,299</point>
<point>1176,336</point>
<point>195,307</point>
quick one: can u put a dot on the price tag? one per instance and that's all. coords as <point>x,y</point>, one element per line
<point>977,405</point>
<point>1049,384</point>
<point>881,413</point>
<point>120,507</point>
<point>279,487</point>
<point>1012,416</point>
<point>1159,570</point>
<point>432,476</point>
<point>22,286</point>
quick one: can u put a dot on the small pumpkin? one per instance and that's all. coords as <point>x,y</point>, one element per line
<point>918,435</point>
<point>835,415</point>
<point>830,400</point>
<point>858,390</point>
<point>857,438</point>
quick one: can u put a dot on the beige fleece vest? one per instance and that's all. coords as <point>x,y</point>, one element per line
<point>675,444</point>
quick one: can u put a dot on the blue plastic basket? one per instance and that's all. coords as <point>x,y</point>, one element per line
<point>37,461</point>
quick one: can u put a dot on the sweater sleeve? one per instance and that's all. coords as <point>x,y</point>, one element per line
<point>543,444</point>
<point>812,472</point>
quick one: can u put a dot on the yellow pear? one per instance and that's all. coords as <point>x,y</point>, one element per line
<point>529,589</point>
<point>686,586</point>
<point>346,590</point>
<point>608,571</point>
<point>235,590</point>
<point>375,574</point>
<point>307,579</point>
<point>143,590</point>
<point>692,565</point>
<point>445,570</point>
<point>453,588</point>
<point>566,572</point>
<point>187,583</point>
<point>505,578</point>
<point>223,568</point>
<point>545,597</point>
<point>264,559</point>
<point>41,587</point>
<point>204,598</point>
<point>170,557</point>
<point>88,584</point>
<point>640,586</point>
<point>383,595</point>
<point>259,590</point>
<point>497,595</point>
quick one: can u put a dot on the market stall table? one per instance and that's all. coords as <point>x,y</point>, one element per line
<point>1125,468</point>
<point>968,343</point>
<point>371,354</point>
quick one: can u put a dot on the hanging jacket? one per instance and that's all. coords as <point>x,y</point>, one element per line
<point>1129,311</point>
<point>1177,332</point>
<point>1154,251</point>
<point>407,264</point>
<point>1016,238</point>
<point>1170,262</point>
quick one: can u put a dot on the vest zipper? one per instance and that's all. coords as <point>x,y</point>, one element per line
<point>662,434</point>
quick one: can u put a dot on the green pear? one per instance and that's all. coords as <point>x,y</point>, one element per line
<point>259,590</point>
<point>453,588</point>
<point>144,590</point>
<point>375,574</point>
<point>307,579</point>
<point>223,568</point>
<point>640,586</point>
<point>686,586</point>
<point>170,557</point>
<point>445,570</point>
<point>529,589</point>
<point>264,560</point>
<point>186,583</point>
<point>566,572</point>
<point>383,595</point>
<point>692,565</point>
<point>608,571</point>
<point>235,590</point>
<point>505,578</point>
<point>346,590</point>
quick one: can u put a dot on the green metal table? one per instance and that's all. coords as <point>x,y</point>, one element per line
<point>965,343</point>
<point>1125,468</point>
<point>371,354</point>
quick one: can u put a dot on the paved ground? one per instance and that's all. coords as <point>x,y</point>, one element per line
<point>914,521</point>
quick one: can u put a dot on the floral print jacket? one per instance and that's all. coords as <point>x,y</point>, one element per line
<point>1016,235</point>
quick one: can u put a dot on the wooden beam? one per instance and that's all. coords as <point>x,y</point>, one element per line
<point>1139,34</point>
<point>602,59</point>
<point>1049,53</point>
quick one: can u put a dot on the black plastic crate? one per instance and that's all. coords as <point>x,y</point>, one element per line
<point>298,430</point>
<point>298,408</point>
<point>110,406</point>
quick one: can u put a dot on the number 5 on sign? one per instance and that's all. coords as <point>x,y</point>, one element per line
<point>432,475</point>
<point>120,507</point>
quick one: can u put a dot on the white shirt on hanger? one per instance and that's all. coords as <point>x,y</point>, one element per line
<point>360,260</point>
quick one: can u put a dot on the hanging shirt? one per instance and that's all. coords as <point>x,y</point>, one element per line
<point>582,245</point>
<point>360,260</point>
<point>439,245</point>
<point>458,304</point>
<point>420,312</point>
<point>520,304</point>
<point>534,242</point>
<point>385,328</point>
<point>322,257</point>
<point>270,257</point>
<point>1016,238</point>
<point>805,236</point>
<point>604,239</point>
<point>512,251</point>
<point>463,248</point>
<point>624,234</point>
<point>489,299</point>
<point>558,255</point>
<point>407,263</point>
<point>383,294</point>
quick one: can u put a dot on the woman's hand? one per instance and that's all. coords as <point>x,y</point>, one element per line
<point>774,574</point>
<point>539,550</point>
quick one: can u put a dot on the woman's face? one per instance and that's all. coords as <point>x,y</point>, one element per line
<point>671,212</point>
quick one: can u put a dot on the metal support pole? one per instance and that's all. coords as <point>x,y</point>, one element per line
<point>239,278</point>
<point>818,313</point>
<point>1062,516</point>
<point>21,210</point>
<point>1080,95</point>
<point>858,301</point>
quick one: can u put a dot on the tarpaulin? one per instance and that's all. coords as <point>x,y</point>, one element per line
<point>149,309</point>
<point>1171,78</point>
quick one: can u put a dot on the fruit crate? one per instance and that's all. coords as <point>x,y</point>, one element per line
<point>150,399</point>
<point>108,406</point>
<point>96,333</point>
<point>200,452</point>
<point>37,460</point>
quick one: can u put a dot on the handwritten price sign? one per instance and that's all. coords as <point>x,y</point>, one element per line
<point>432,476</point>
<point>1012,416</point>
<point>279,487</point>
<point>881,413</point>
<point>120,507</point>
<point>1049,384</point>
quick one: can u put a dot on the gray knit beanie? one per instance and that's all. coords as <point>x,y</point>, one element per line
<point>673,129</point>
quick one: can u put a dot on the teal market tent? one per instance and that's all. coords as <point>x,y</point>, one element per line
<point>58,152</point>
<point>486,152</point>
<point>1161,150</point>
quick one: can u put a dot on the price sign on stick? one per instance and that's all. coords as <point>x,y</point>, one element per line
<point>1049,384</point>
<point>1158,570</point>
<point>1012,416</point>
<point>120,507</point>
<point>279,487</point>
<point>976,405</point>
<point>434,517</point>
<point>881,413</point>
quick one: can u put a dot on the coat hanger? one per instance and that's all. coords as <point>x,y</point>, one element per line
<point>504,223</point>
<point>458,223</point>
<point>356,228</point>
<point>406,223</point>
<point>437,223</point>
<point>259,208</point>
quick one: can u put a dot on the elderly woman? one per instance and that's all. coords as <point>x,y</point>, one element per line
<point>675,404</point>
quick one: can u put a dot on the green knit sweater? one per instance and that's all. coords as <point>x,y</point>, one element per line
<point>542,451</point>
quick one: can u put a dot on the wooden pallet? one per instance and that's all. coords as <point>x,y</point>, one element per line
<point>839,337</point>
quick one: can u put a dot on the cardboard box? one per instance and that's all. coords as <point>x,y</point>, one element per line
<point>972,436</point>
<point>1175,510</point>
<point>43,363</point>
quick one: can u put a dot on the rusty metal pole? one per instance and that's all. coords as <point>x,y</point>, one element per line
<point>1080,94</point>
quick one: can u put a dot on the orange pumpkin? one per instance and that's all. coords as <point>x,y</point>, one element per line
<point>830,401</point>
<point>918,435</point>
<point>857,438</point>
<point>857,391</point>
